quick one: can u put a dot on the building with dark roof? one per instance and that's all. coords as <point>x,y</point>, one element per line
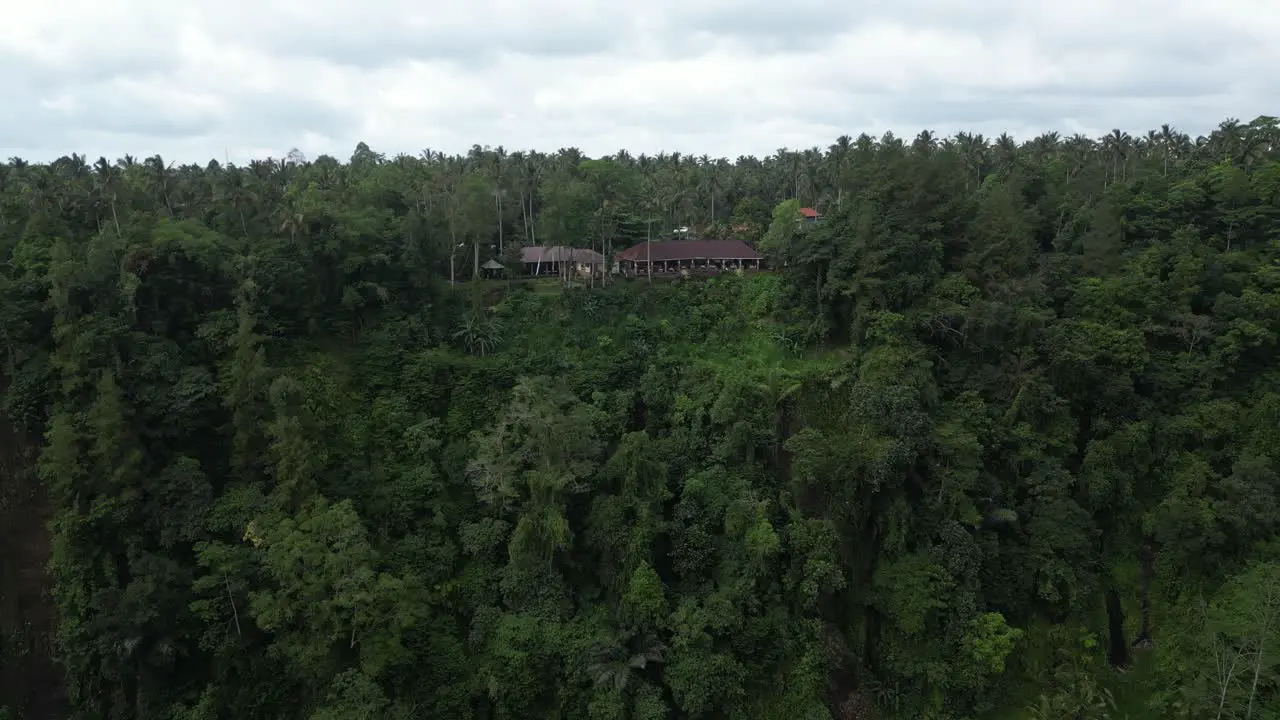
<point>553,260</point>
<point>677,255</point>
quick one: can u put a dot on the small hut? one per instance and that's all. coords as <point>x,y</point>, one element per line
<point>493,269</point>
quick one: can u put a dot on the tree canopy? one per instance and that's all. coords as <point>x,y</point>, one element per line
<point>1003,423</point>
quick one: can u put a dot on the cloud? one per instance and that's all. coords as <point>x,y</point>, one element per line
<point>201,79</point>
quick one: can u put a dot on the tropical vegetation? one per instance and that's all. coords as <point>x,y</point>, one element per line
<point>998,437</point>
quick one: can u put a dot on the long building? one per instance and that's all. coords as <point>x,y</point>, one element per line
<point>677,255</point>
<point>540,260</point>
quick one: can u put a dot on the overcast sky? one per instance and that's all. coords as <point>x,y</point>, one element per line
<point>195,79</point>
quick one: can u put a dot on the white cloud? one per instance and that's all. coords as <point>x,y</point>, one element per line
<point>196,79</point>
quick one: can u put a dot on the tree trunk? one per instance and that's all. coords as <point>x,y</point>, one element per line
<point>453,251</point>
<point>498,196</point>
<point>524,218</point>
<point>533,225</point>
<point>1146,564</point>
<point>648,249</point>
<point>1224,672</point>
<point>1270,599</point>
<point>1257,670</point>
<point>1118,654</point>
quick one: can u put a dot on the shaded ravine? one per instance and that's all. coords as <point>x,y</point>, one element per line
<point>30,679</point>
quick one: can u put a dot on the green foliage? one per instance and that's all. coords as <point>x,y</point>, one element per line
<point>991,641</point>
<point>1004,420</point>
<point>782,230</point>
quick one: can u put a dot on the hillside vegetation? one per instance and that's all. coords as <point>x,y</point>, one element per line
<point>998,437</point>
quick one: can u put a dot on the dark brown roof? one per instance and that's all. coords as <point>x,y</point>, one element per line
<point>559,253</point>
<point>691,250</point>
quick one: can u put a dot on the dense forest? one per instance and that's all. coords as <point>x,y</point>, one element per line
<point>998,437</point>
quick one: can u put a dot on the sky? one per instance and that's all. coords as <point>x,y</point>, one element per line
<point>194,80</point>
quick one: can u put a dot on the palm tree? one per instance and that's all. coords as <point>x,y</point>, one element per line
<point>613,665</point>
<point>530,169</point>
<point>925,143</point>
<point>108,180</point>
<point>1047,143</point>
<point>497,174</point>
<point>479,334</point>
<point>776,388</point>
<point>1168,141</point>
<point>1006,151</point>
<point>158,174</point>
<point>1079,150</point>
<point>1227,139</point>
<point>1259,139</point>
<point>712,183</point>
<point>237,191</point>
<point>1118,145</point>
<point>973,148</point>
<point>839,155</point>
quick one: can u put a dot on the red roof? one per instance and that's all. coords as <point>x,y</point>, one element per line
<point>809,212</point>
<point>690,250</point>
